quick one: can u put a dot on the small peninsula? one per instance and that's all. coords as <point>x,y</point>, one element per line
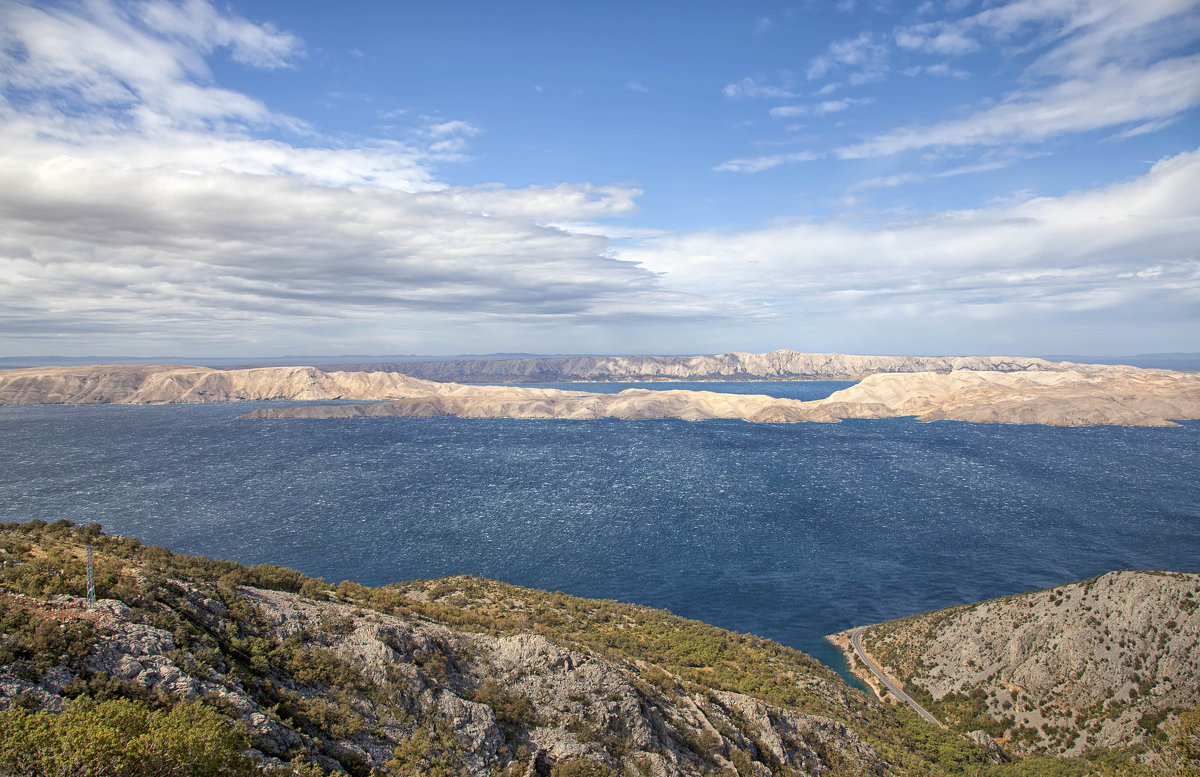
<point>1095,663</point>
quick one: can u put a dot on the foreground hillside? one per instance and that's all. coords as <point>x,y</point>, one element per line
<point>1097,663</point>
<point>188,661</point>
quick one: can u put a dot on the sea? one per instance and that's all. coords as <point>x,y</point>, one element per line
<point>790,531</point>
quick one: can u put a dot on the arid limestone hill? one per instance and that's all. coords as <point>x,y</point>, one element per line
<point>1138,398</point>
<point>1097,663</point>
<point>445,677</point>
<point>159,383</point>
<point>1067,398</point>
<point>1127,396</point>
<point>784,364</point>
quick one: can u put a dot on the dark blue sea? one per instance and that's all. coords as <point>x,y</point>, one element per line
<point>792,531</point>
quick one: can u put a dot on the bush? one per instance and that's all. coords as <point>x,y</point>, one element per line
<point>509,706</point>
<point>122,738</point>
<point>581,767</point>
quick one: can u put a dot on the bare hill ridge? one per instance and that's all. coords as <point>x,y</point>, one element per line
<point>1100,395</point>
<point>1139,398</point>
<point>159,384</point>
<point>1096,663</point>
<point>785,364</point>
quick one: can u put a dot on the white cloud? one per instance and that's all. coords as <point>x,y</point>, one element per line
<point>1102,64</point>
<point>817,109</point>
<point>139,206</point>
<point>1081,35</point>
<point>455,127</point>
<point>902,179</point>
<point>635,85</point>
<point>107,59</point>
<point>1113,98</point>
<point>1041,256</point>
<point>749,87</point>
<point>865,56</point>
<point>198,23</point>
<point>941,69</point>
<point>759,163</point>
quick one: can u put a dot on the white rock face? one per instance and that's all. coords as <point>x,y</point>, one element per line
<point>578,700</point>
<point>1108,650</point>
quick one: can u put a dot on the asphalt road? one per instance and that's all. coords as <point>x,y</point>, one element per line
<point>855,640</point>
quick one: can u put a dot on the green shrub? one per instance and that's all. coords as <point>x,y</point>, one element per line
<point>122,738</point>
<point>581,767</point>
<point>509,706</point>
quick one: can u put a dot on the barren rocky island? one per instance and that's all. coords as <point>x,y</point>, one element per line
<point>980,389</point>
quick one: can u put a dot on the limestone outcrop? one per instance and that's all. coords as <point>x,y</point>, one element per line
<point>1096,663</point>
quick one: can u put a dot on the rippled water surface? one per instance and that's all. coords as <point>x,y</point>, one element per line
<point>792,531</point>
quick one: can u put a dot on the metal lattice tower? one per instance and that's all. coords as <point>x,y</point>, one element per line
<point>91,575</point>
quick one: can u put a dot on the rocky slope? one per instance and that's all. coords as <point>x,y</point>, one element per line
<point>1137,398</point>
<point>1067,398</point>
<point>1096,663</point>
<point>456,676</point>
<point>777,365</point>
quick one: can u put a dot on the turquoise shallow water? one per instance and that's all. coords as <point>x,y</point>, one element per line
<point>791,531</point>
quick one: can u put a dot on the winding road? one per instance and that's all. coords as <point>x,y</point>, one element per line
<point>895,690</point>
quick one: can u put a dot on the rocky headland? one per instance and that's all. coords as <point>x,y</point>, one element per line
<point>1096,663</point>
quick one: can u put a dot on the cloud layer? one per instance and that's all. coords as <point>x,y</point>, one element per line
<point>1126,252</point>
<point>146,208</point>
<point>140,203</point>
<point>1099,65</point>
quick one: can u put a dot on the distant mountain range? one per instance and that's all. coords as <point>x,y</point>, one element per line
<point>1187,361</point>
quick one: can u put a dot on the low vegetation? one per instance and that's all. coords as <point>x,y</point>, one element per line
<point>313,712</point>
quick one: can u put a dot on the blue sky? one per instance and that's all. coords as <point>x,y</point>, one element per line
<point>263,178</point>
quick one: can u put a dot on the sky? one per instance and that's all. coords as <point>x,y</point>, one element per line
<point>251,178</point>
